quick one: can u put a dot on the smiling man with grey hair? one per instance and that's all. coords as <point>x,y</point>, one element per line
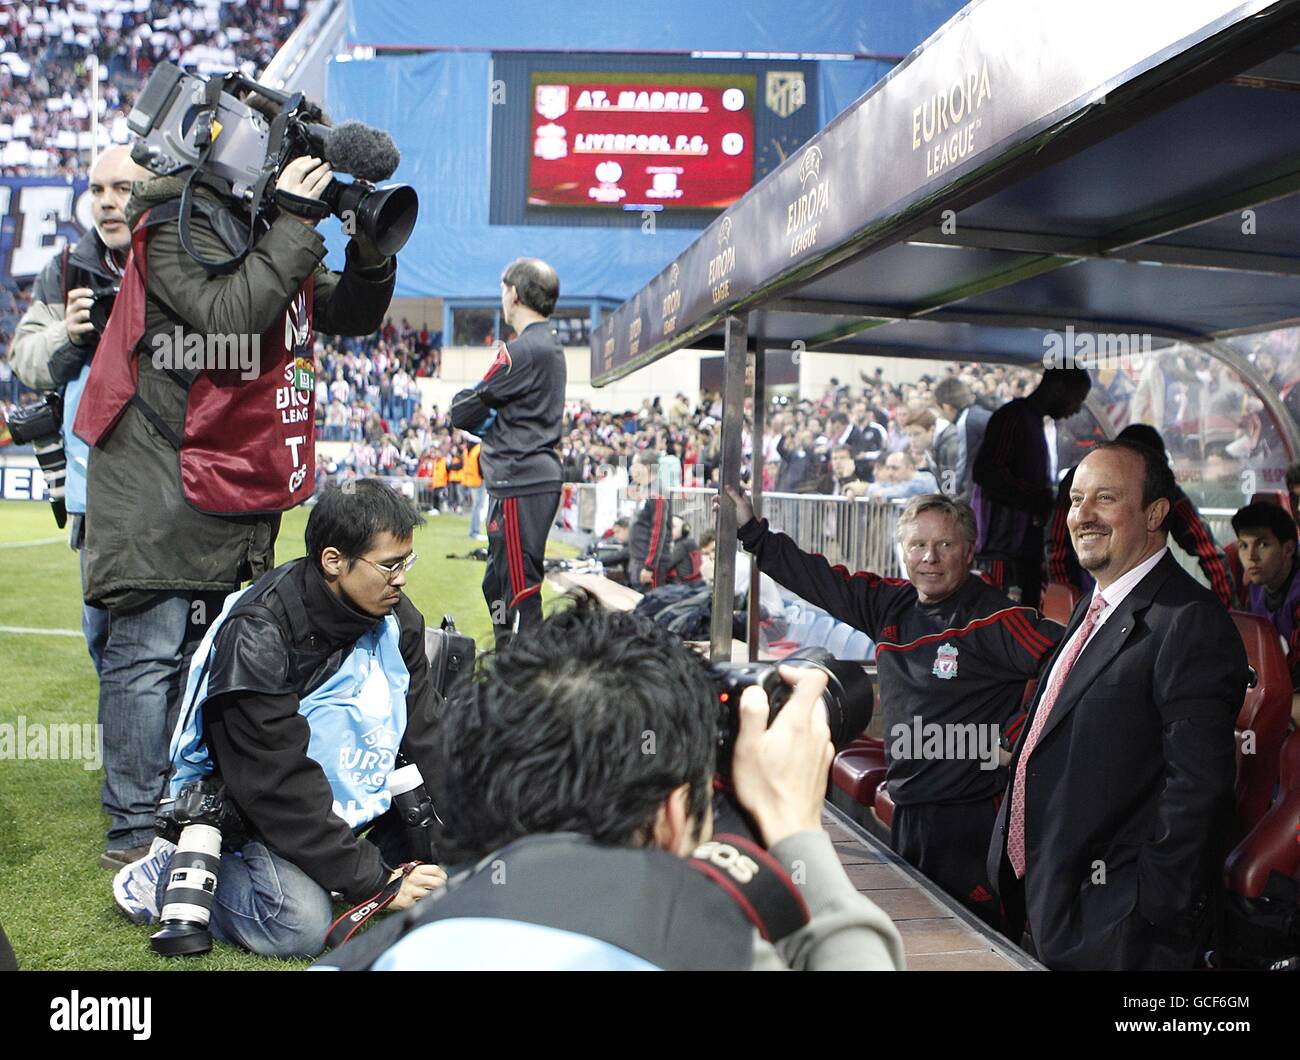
<point>953,655</point>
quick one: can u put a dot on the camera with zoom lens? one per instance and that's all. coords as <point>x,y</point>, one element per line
<point>848,701</point>
<point>414,808</point>
<point>41,426</point>
<point>195,821</point>
<point>206,125</point>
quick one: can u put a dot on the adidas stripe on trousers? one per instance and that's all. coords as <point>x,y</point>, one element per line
<point>517,530</point>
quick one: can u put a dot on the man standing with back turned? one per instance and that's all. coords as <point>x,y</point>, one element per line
<point>516,409</point>
<point>1110,841</point>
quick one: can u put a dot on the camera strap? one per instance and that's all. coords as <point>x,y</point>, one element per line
<point>756,882</point>
<point>206,117</point>
<point>351,922</point>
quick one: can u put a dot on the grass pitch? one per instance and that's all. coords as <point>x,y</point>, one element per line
<point>55,900</point>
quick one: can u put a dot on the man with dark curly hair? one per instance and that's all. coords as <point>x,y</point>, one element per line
<point>579,773</point>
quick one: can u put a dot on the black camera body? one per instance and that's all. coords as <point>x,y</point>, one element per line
<point>198,820</point>
<point>41,426</point>
<point>101,306</point>
<point>189,122</point>
<point>849,699</point>
<point>33,424</point>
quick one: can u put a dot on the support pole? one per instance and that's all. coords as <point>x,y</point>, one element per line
<point>759,369</point>
<point>733,414</point>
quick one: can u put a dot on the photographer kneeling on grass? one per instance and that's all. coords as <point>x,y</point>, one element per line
<point>302,697</point>
<point>581,771</point>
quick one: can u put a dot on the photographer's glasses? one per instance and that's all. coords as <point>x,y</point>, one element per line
<point>392,570</point>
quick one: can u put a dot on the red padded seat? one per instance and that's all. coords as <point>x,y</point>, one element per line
<point>1265,712</point>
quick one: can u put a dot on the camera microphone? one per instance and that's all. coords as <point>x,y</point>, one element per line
<point>353,147</point>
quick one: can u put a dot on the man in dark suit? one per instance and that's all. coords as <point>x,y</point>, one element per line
<point>1110,840</point>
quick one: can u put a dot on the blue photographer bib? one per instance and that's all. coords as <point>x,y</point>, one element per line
<point>78,452</point>
<point>357,719</point>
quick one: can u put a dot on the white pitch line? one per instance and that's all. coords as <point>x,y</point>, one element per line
<point>38,541</point>
<point>43,632</point>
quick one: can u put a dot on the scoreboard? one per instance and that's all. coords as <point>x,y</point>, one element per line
<point>640,141</point>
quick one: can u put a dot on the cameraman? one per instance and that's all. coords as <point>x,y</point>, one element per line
<point>594,837</point>
<point>191,466</point>
<point>55,338</point>
<point>300,697</point>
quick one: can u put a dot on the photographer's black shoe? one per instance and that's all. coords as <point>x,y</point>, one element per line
<point>115,857</point>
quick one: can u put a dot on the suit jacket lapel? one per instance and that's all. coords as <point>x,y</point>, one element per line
<point>1107,642</point>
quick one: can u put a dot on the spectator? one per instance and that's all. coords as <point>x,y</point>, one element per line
<point>1014,485</point>
<point>1266,546</point>
<point>899,479</point>
<point>957,444</point>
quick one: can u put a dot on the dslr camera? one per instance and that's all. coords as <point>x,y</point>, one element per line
<point>848,700</point>
<point>197,821</point>
<point>41,426</point>
<point>207,125</point>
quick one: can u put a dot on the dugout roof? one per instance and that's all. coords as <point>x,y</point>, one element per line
<point>1109,166</point>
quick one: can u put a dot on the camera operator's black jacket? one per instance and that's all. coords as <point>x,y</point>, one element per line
<point>42,354</point>
<point>142,536</point>
<point>525,386</point>
<point>262,663</point>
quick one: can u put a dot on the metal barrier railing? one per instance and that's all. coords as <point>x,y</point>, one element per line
<point>859,534</point>
<point>856,533</point>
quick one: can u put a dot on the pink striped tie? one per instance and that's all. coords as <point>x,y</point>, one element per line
<point>1016,824</point>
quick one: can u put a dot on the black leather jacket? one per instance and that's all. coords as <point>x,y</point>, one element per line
<point>286,636</point>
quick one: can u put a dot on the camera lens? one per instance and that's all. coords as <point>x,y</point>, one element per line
<point>187,901</point>
<point>848,700</point>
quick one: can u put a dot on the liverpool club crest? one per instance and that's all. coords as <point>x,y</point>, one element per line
<point>945,662</point>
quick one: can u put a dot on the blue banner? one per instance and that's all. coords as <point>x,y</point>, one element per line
<point>788,27</point>
<point>38,215</point>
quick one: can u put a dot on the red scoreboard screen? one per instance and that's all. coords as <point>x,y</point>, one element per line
<point>641,141</point>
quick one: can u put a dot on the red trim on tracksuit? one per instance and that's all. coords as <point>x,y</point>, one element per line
<point>1022,620</point>
<point>872,579</point>
<point>1208,552</point>
<point>514,548</point>
<point>515,554</point>
<point>1059,546</point>
<point>1004,617</point>
<point>652,554</point>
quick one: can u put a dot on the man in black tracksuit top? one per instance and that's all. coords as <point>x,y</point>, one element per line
<point>953,656</point>
<point>650,544</point>
<point>516,409</point>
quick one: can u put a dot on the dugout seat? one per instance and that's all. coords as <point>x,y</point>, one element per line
<point>860,647</point>
<point>1058,602</point>
<point>839,639</point>
<point>1273,845</point>
<point>884,806</point>
<point>821,629</point>
<point>859,769</point>
<point>1265,713</point>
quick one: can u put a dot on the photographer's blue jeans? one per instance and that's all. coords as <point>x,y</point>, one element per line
<point>266,904</point>
<point>139,689</point>
<point>94,621</point>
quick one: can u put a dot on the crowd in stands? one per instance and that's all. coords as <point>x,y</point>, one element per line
<point>45,96</point>
<point>887,430</point>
